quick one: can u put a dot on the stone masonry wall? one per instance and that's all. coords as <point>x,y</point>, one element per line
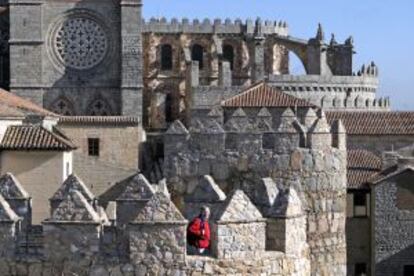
<point>118,152</point>
<point>247,246</point>
<point>157,249</point>
<point>392,239</point>
<point>317,173</point>
<point>75,238</point>
<point>162,84</point>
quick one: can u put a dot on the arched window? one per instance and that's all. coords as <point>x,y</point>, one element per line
<point>166,57</point>
<point>228,55</point>
<point>197,54</point>
<point>99,108</point>
<point>63,106</point>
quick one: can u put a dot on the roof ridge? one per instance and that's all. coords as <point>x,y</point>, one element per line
<point>248,90</point>
<point>34,137</point>
<point>262,94</point>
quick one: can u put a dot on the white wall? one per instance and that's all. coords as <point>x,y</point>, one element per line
<point>40,172</point>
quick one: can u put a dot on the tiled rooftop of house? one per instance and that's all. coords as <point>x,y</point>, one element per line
<point>375,123</point>
<point>362,165</point>
<point>99,120</point>
<point>34,137</point>
<point>263,95</point>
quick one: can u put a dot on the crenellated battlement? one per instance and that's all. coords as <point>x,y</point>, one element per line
<point>369,70</point>
<point>301,156</point>
<point>149,233</point>
<point>258,132</point>
<point>216,26</point>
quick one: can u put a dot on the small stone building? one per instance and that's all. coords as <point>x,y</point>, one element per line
<point>35,155</point>
<point>393,222</point>
<point>108,149</point>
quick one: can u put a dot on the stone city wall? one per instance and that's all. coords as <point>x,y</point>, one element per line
<point>235,155</point>
<point>79,239</point>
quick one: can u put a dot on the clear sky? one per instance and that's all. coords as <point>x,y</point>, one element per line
<point>383,30</point>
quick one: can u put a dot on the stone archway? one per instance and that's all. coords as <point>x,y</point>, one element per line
<point>296,47</point>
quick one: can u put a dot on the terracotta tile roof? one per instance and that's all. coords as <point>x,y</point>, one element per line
<point>375,123</point>
<point>362,166</point>
<point>363,159</point>
<point>263,95</point>
<point>15,106</point>
<point>99,120</point>
<point>34,137</point>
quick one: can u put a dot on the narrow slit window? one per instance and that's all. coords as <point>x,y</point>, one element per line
<point>166,57</point>
<point>228,55</point>
<point>197,54</point>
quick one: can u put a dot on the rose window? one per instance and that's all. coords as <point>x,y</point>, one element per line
<point>80,43</point>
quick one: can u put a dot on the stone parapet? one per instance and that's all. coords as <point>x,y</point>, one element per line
<point>324,83</point>
<point>206,26</point>
<point>334,92</point>
<point>265,264</point>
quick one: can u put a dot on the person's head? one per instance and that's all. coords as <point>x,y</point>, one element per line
<point>205,212</point>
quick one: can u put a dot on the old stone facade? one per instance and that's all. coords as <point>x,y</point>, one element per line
<point>296,169</point>
<point>108,148</point>
<point>241,150</point>
<point>80,57</point>
<point>90,58</point>
<point>256,51</point>
<point>79,239</point>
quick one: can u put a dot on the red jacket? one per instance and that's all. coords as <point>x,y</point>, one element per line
<point>195,236</point>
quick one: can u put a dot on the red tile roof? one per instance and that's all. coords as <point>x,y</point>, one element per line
<point>263,95</point>
<point>362,165</point>
<point>129,120</point>
<point>375,123</point>
<point>15,106</point>
<point>34,137</point>
<point>363,159</point>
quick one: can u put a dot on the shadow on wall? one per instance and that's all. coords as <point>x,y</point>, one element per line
<point>4,48</point>
<point>401,263</point>
<point>22,163</point>
<point>82,49</point>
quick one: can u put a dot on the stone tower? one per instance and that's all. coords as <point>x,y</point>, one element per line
<point>77,57</point>
<point>4,48</point>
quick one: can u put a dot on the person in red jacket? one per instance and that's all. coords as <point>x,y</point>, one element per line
<point>198,231</point>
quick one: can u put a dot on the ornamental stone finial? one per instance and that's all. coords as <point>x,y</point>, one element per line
<point>333,40</point>
<point>320,35</point>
